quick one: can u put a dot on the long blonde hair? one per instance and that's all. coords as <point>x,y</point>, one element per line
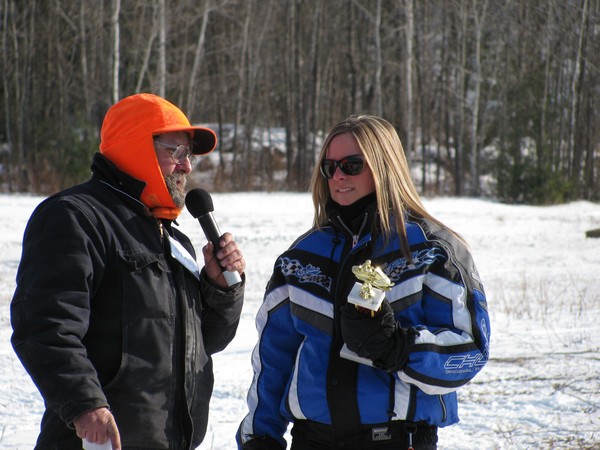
<point>394,187</point>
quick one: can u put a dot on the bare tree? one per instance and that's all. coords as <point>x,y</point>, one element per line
<point>148,49</point>
<point>162,48</point>
<point>85,75</point>
<point>458,92</point>
<point>192,88</point>
<point>375,20</point>
<point>479,23</point>
<point>574,150</point>
<point>409,39</point>
<point>116,49</point>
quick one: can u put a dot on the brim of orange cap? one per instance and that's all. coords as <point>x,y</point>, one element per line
<point>204,140</point>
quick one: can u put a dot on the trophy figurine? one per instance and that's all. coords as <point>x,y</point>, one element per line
<point>367,296</point>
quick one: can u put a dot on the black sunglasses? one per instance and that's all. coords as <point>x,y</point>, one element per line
<point>350,165</point>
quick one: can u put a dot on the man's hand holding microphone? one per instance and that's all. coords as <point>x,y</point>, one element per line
<point>223,260</point>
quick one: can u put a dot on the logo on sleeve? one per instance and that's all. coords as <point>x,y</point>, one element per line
<point>464,363</point>
<point>304,274</point>
<point>395,269</point>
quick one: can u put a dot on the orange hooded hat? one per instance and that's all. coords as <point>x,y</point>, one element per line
<point>127,141</point>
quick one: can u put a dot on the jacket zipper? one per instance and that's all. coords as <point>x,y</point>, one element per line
<point>355,237</point>
<point>443,405</point>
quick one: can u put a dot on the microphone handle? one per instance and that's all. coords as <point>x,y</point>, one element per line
<point>213,234</point>
<point>211,229</point>
<point>87,445</point>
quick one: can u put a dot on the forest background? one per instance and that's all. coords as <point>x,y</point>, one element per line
<point>493,98</point>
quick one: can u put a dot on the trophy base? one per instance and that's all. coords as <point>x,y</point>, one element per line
<point>346,353</point>
<point>372,304</point>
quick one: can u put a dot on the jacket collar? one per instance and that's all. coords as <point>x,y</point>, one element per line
<point>106,171</point>
<point>351,219</point>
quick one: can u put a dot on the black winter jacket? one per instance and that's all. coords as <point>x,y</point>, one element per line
<point>103,315</point>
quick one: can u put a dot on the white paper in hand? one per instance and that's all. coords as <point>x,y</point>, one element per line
<point>87,445</point>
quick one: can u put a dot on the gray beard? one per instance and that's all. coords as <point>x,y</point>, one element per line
<point>176,183</point>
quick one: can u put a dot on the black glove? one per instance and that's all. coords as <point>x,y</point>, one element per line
<point>379,338</point>
<point>262,443</point>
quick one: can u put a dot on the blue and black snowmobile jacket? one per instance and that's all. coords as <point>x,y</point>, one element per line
<point>299,372</point>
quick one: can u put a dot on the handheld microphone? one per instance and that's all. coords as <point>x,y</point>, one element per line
<point>200,205</point>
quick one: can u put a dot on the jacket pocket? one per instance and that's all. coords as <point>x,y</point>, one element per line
<point>147,327</point>
<point>148,290</point>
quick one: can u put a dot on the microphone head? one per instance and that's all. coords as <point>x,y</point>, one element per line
<point>199,202</point>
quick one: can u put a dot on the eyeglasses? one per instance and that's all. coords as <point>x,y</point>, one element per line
<point>179,152</point>
<point>350,165</point>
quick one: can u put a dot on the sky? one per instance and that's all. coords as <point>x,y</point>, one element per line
<point>541,386</point>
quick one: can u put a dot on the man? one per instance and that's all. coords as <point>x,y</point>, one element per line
<point>115,330</point>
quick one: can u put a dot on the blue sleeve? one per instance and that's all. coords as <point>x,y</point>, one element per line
<point>273,361</point>
<point>449,310</point>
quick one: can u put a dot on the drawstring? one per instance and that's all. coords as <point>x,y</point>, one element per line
<point>410,429</point>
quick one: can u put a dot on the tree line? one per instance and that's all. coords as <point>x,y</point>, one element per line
<point>490,97</point>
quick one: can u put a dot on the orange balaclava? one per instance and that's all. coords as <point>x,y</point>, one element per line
<point>127,141</point>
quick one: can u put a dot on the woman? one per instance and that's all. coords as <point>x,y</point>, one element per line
<point>344,376</point>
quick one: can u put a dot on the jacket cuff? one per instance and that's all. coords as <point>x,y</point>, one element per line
<point>212,293</point>
<point>82,408</point>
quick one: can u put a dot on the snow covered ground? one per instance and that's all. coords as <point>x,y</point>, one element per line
<point>541,387</point>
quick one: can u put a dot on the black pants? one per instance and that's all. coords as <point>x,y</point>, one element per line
<point>307,435</point>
